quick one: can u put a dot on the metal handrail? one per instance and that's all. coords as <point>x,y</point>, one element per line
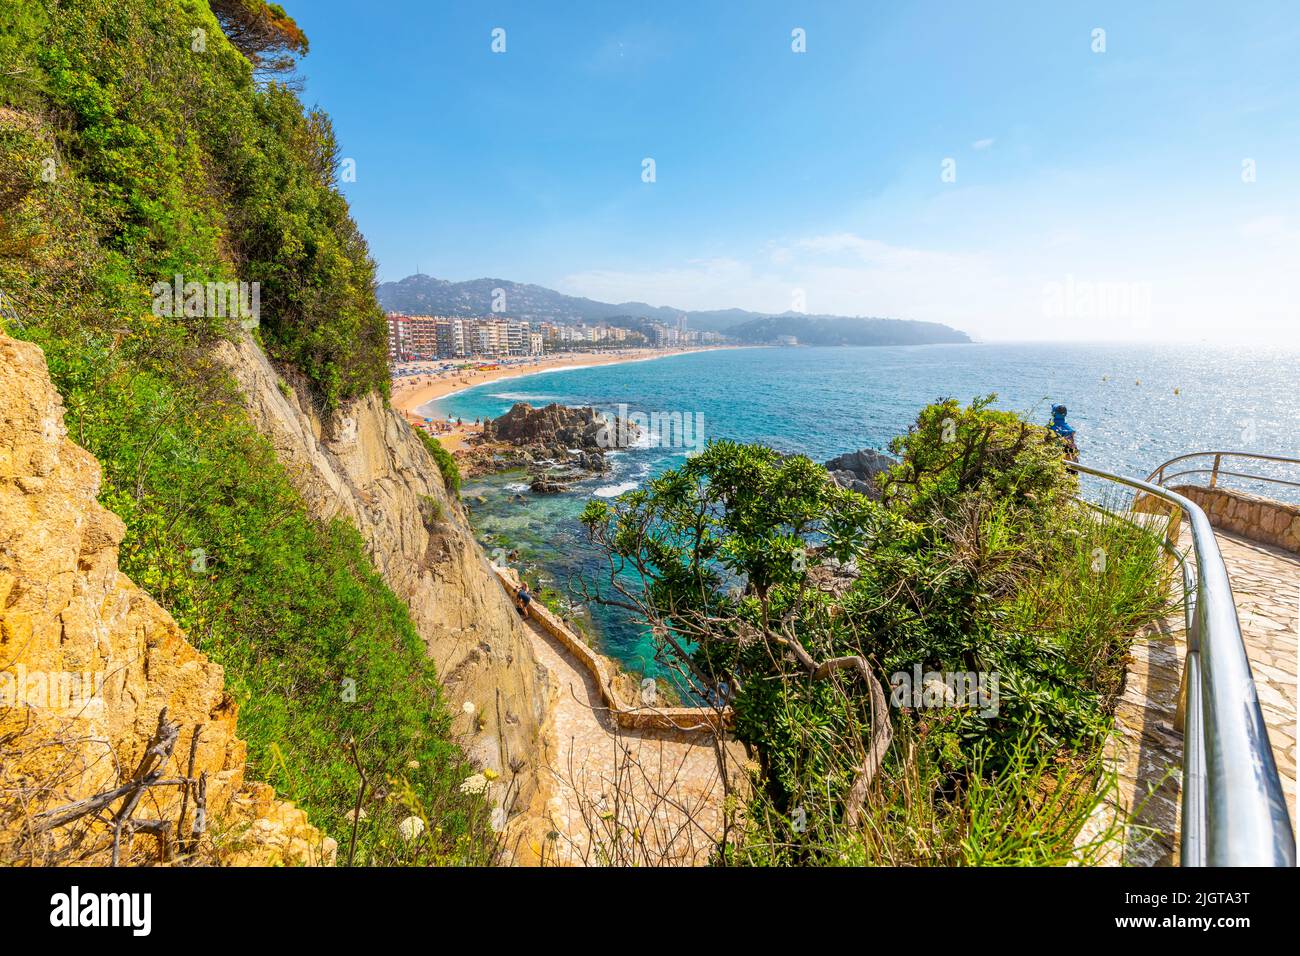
<point>1234,808</point>
<point>1215,473</point>
<point>1159,477</point>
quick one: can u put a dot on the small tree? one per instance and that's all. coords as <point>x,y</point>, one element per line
<point>270,38</point>
<point>953,451</point>
<point>788,598</point>
<point>726,558</point>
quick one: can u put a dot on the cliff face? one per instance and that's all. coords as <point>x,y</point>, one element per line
<point>88,662</point>
<point>365,464</point>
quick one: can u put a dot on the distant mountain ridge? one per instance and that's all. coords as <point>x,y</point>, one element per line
<point>426,295</point>
<point>842,330</point>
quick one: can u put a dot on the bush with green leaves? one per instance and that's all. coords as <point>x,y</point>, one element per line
<point>447,465</point>
<point>186,166</point>
<point>789,597</point>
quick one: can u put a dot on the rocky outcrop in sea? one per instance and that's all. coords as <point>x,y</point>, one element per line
<point>559,445</point>
<point>857,471</point>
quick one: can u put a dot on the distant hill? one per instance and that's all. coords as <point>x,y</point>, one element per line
<point>839,330</point>
<point>421,294</point>
<point>426,295</point>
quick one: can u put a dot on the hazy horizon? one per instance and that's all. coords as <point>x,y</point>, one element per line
<point>1153,339</point>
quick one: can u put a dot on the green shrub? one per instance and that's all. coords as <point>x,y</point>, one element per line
<point>951,452</point>
<point>186,166</point>
<point>978,561</point>
<point>430,511</point>
<point>447,466</point>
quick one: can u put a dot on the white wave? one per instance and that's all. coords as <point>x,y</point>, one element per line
<point>517,486</point>
<point>521,397</point>
<point>613,491</point>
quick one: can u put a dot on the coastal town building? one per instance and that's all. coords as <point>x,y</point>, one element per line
<point>448,337</point>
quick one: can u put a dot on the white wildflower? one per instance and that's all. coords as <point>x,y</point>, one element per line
<point>411,828</point>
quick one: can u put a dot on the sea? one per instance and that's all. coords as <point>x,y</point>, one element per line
<point>1133,408</point>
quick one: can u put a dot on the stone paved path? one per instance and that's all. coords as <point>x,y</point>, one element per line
<point>1147,748</point>
<point>1266,584</point>
<point>661,790</point>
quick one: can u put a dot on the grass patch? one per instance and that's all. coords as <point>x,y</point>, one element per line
<point>447,465</point>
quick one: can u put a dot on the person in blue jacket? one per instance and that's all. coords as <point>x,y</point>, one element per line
<point>1064,431</point>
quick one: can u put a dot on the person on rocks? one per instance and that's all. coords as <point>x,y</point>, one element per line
<point>522,600</point>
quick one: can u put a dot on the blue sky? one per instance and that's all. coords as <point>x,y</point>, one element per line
<point>1096,194</point>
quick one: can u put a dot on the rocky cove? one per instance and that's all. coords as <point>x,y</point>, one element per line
<point>558,446</point>
<point>526,485</point>
<point>262,562</point>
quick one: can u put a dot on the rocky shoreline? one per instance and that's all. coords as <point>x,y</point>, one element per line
<point>558,445</point>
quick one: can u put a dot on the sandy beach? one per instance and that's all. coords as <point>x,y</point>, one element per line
<point>412,392</point>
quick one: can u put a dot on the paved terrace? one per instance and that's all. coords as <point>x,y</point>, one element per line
<point>620,784</point>
<point>1147,748</point>
<point>653,770</point>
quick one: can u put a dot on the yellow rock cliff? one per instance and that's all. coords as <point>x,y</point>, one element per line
<point>87,664</point>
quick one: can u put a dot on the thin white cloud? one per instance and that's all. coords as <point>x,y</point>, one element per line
<point>1270,228</point>
<point>1247,294</point>
<point>879,255</point>
<point>982,143</point>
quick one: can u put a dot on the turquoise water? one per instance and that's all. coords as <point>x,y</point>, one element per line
<point>1133,408</point>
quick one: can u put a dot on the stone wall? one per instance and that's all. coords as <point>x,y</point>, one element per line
<point>627,716</point>
<point>1259,519</point>
<point>88,662</point>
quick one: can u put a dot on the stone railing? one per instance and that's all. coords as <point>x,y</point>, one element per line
<point>605,674</point>
<point>1251,516</point>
